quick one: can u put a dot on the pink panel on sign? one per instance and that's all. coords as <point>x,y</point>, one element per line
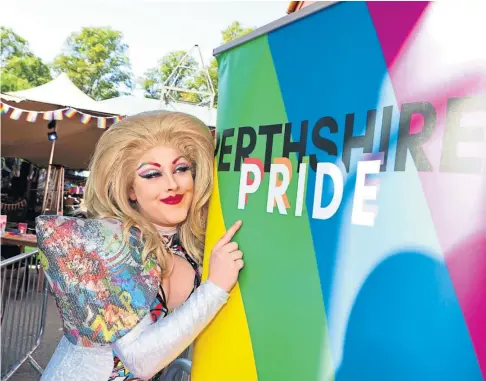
<point>399,16</point>
<point>457,201</point>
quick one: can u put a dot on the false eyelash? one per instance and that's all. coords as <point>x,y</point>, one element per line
<point>183,168</point>
<point>150,174</point>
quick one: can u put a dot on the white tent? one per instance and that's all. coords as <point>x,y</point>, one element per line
<point>134,104</point>
<point>60,91</point>
<point>76,141</point>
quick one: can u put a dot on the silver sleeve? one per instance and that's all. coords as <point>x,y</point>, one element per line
<point>148,348</point>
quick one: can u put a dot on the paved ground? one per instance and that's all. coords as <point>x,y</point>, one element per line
<point>19,329</point>
<point>43,353</point>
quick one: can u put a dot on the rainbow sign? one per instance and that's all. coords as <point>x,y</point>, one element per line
<point>352,144</point>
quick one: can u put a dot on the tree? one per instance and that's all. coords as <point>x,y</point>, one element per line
<point>232,32</point>
<point>96,60</point>
<point>155,77</point>
<point>20,69</point>
<point>12,45</point>
<point>188,78</point>
<point>200,82</point>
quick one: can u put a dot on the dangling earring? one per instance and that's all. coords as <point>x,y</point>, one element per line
<point>133,203</point>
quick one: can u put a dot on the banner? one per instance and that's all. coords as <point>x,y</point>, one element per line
<point>352,144</point>
<point>69,112</point>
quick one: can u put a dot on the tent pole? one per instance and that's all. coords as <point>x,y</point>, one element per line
<point>46,188</point>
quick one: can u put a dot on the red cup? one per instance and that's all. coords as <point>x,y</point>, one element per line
<point>22,227</point>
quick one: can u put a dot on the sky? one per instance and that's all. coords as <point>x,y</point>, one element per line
<point>151,28</point>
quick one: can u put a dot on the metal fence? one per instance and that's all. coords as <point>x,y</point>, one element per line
<point>24,292</point>
<point>23,311</point>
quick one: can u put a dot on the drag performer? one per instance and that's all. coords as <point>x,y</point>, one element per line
<point>127,279</point>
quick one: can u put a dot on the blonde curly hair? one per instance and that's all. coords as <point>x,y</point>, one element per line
<point>113,169</point>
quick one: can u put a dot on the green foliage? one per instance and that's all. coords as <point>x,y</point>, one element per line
<point>96,60</point>
<point>200,83</point>
<point>187,78</point>
<point>157,76</point>
<point>20,69</point>
<point>234,31</point>
<point>12,45</point>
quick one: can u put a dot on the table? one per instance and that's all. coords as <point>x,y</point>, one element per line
<point>18,239</point>
<point>23,240</point>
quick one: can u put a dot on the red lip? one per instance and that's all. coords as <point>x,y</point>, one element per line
<point>172,200</point>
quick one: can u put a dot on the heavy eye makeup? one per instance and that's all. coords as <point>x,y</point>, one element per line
<point>150,174</point>
<point>153,173</point>
<point>183,167</point>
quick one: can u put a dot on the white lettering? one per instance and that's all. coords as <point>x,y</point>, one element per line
<point>275,192</point>
<point>300,189</point>
<point>248,188</point>
<point>335,173</point>
<point>364,192</point>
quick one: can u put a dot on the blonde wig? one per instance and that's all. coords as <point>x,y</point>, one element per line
<point>113,169</point>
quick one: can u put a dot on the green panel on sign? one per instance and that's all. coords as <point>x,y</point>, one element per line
<point>280,282</point>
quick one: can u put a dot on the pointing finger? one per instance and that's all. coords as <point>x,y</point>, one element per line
<point>228,236</point>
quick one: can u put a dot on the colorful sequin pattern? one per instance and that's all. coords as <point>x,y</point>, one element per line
<point>120,372</point>
<point>159,308</point>
<point>100,285</point>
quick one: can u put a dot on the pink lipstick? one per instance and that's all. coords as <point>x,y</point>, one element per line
<point>172,200</point>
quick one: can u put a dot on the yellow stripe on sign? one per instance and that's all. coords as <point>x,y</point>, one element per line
<point>223,351</point>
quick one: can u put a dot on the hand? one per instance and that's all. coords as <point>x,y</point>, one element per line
<point>226,260</point>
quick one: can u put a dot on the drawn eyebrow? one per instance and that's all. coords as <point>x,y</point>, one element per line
<point>149,163</point>
<point>178,158</point>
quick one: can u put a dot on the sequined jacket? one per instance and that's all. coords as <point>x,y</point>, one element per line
<point>104,291</point>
